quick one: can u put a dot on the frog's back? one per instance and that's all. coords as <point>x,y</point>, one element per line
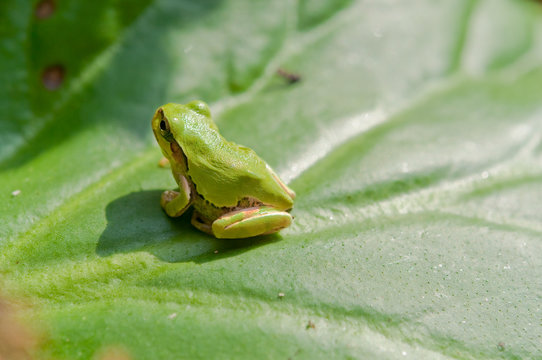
<point>225,173</point>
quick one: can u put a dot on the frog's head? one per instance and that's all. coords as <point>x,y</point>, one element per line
<point>171,120</point>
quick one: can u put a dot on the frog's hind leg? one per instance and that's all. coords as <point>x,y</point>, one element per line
<point>198,222</point>
<point>250,222</point>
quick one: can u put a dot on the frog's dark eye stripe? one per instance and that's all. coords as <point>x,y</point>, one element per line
<point>168,136</point>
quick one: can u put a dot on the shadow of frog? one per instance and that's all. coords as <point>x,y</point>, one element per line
<point>136,222</point>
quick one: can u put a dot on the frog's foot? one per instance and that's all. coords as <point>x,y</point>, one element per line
<point>174,203</point>
<point>164,162</point>
<point>198,222</point>
<point>250,222</point>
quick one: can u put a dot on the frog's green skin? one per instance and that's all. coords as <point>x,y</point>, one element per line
<point>235,194</point>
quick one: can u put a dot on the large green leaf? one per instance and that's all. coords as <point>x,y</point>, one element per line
<point>413,143</point>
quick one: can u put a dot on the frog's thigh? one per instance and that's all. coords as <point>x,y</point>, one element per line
<point>250,222</point>
<point>175,203</point>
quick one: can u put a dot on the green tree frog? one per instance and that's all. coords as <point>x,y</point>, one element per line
<point>235,194</point>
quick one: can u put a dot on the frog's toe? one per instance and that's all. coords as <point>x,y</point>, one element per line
<point>250,222</point>
<point>198,222</point>
<point>175,203</point>
<point>168,196</point>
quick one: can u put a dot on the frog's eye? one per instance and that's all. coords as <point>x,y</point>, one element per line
<point>165,130</point>
<point>164,125</point>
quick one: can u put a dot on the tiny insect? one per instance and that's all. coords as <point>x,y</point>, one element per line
<point>291,77</point>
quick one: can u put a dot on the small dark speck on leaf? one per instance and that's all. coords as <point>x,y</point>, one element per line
<point>311,325</point>
<point>45,8</point>
<point>53,76</point>
<point>291,77</point>
<point>500,346</point>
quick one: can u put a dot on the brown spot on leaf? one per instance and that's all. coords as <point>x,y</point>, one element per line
<point>114,353</point>
<point>45,8</point>
<point>53,76</point>
<point>16,341</point>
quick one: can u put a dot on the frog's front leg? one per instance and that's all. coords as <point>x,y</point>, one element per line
<point>175,203</point>
<point>250,222</point>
